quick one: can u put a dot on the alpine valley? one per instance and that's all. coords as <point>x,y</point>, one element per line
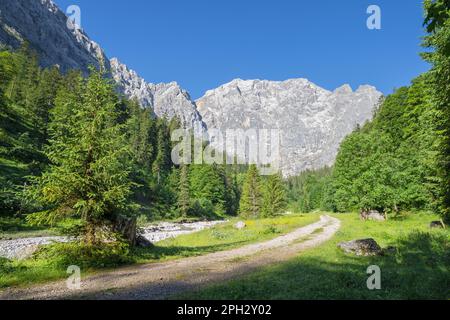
<point>313,121</point>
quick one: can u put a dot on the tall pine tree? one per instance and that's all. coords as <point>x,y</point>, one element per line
<point>274,201</point>
<point>183,192</point>
<point>251,198</point>
<point>90,162</point>
<point>163,162</point>
<point>208,186</point>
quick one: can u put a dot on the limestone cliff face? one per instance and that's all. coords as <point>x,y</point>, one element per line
<point>166,99</point>
<point>313,121</point>
<point>44,26</point>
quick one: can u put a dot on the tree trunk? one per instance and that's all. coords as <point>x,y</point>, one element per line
<point>126,227</point>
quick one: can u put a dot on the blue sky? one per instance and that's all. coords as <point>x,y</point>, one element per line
<point>202,44</point>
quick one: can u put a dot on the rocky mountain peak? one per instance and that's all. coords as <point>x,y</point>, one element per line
<point>44,26</point>
<point>166,99</point>
<point>345,89</point>
<point>313,121</point>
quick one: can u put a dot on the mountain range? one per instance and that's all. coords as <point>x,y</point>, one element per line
<point>313,121</point>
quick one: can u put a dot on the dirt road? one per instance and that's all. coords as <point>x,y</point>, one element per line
<point>163,280</point>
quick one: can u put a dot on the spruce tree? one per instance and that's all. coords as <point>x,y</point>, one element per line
<point>43,101</point>
<point>208,186</point>
<point>183,192</point>
<point>89,173</point>
<point>162,163</point>
<point>23,87</point>
<point>146,148</point>
<point>7,70</point>
<point>232,190</point>
<point>251,198</point>
<point>2,95</point>
<point>274,201</point>
<point>141,130</point>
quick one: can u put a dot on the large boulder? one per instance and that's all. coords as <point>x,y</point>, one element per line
<point>373,215</point>
<point>363,247</point>
<point>127,228</point>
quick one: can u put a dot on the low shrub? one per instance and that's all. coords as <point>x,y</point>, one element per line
<point>220,235</point>
<point>83,255</point>
<point>271,230</point>
<point>5,265</point>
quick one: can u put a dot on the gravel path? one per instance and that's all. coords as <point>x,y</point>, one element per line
<point>163,280</point>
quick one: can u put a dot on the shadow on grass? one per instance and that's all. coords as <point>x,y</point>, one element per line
<point>419,270</point>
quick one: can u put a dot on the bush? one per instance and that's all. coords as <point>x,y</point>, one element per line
<point>82,255</point>
<point>271,230</point>
<point>5,266</point>
<point>220,235</point>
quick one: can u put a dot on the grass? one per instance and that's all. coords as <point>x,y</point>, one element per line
<point>419,269</point>
<point>51,262</point>
<point>12,228</point>
<point>15,228</point>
